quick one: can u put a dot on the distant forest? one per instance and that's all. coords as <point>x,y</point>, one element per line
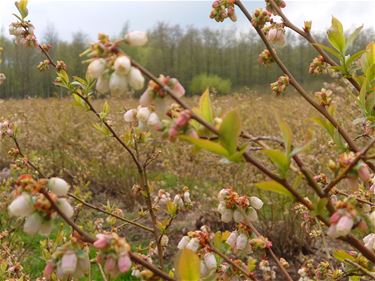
<point>172,50</point>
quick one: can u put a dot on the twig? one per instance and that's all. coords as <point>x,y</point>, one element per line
<point>109,213</point>
<point>232,263</point>
<point>361,268</point>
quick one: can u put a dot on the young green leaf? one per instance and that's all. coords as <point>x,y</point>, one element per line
<point>336,35</point>
<point>22,8</point>
<point>274,187</point>
<point>229,131</point>
<point>353,36</point>
<point>287,135</point>
<point>279,159</point>
<point>205,107</point>
<point>206,145</point>
<point>187,266</point>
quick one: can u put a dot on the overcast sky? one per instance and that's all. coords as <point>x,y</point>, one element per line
<point>93,16</point>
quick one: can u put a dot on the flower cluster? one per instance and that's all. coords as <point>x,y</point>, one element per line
<point>280,85</point>
<point>342,221</point>
<point>6,129</point>
<point>32,204</point>
<point>318,66</point>
<point>241,209</point>
<point>143,117</point>
<point>222,9</point>
<point>153,91</point>
<point>265,57</point>
<point>360,170</point>
<point>324,97</point>
<point>279,3</point>
<point>69,260</point>
<point>268,272</point>
<point>112,68</point>
<point>180,200</point>
<point>24,33</point>
<point>261,17</point>
<point>113,254</point>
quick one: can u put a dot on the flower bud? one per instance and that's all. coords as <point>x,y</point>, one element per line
<point>238,216</point>
<point>147,98</point>
<point>210,261</point>
<point>232,238</point>
<point>203,269</point>
<point>136,38</point>
<point>65,207</point>
<point>154,121</point>
<point>124,263</point>
<point>50,266</point>
<point>193,244</point>
<point>183,242</point>
<point>58,186</point>
<point>136,79</point>
<point>69,263</point>
<point>178,201</point>
<point>369,241</point>
<point>46,228</point>
<point>227,215</point>
<point>122,65</point>
<point>276,36</point>
<point>164,241</point>
<point>177,88</point>
<point>364,173</point>
<point>96,68</point>
<point>252,214</point>
<point>241,242</point>
<point>33,224</point>
<point>22,206</point>
<point>101,242</point>
<point>222,194</point>
<point>110,264</point>
<point>143,113</point>
<point>118,84</point>
<point>187,197</point>
<point>102,85</point>
<point>256,203</point>
<point>130,115</point>
<point>344,226</point>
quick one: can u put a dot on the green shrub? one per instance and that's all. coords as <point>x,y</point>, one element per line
<point>215,83</point>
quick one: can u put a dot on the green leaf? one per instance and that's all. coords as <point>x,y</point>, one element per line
<point>342,255</point>
<point>353,36</point>
<point>336,35</point>
<point>354,57</point>
<point>324,124</point>
<point>287,135</point>
<point>229,131</point>
<point>206,145</point>
<point>103,129</point>
<point>187,266</point>
<point>279,159</point>
<point>274,187</point>
<point>238,155</point>
<point>22,8</point>
<point>329,50</point>
<point>205,107</point>
<point>339,141</point>
<point>80,102</point>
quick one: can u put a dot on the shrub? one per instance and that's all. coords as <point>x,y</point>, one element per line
<point>215,83</point>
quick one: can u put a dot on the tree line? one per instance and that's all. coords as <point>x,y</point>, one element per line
<point>172,50</point>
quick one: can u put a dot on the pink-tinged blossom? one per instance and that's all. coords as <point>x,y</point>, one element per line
<point>69,263</point>
<point>110,264</point>
<point>210,261</point>
<point>49,268</point>
<point>154,121</point>
<point>177,88</point>
<point>130,115</point>
<point>124,263</point>
<point>193,244</point>
<point>183,119</point>
<point>232,238</point>
<point>335,218</point>
<point>183,242</point>
<point>101,242</point>
<point>369,241</point>
<point>364,173</point>
<point>342,227</point>
<point>147,98</point>
<point>241,242</point>
<point>276,36</point>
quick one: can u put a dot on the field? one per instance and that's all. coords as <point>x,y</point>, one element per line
<point>60,139</point>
